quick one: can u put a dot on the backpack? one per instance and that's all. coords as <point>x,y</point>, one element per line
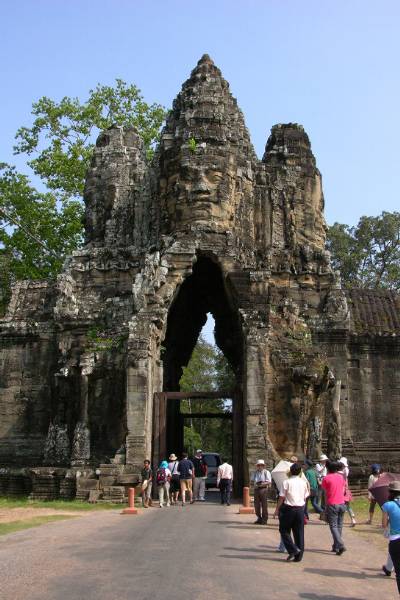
<point>161,477</point>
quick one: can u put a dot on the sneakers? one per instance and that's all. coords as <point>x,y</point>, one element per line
<point>161,505</point>
<point>340,551</point>
<point>386,571</point>
<point>168,504</point>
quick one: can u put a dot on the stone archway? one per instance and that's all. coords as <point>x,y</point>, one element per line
<point>204,291</point>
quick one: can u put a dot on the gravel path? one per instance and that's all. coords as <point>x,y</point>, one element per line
<point>199,552</point>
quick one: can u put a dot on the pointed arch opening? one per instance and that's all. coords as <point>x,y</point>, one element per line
<point>204,292</point>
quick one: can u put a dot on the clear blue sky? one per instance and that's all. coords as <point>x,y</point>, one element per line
<point>331,65</point>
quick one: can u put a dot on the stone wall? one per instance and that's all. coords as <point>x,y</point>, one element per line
<point>206,227</point>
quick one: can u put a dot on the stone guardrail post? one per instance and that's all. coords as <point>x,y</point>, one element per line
<point>246,509</point>
<point>131,510</point>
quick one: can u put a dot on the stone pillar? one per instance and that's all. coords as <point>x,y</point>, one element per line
<point>257,442</point>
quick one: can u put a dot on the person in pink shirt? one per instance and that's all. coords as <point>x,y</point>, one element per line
<point>333,485</point>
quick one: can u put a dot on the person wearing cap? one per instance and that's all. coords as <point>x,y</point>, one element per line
<point>373,478</point>
<point>175,484</point>
<point>186,468</point>
<point>200,476</point>
<point>261,479</point>
<point>391,518</point>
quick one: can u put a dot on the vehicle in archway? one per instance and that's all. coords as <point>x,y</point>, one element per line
<point>212,460</point>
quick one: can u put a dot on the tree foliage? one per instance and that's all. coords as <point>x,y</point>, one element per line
<point>368,255</point>
<point>207,369</point>
<point>62,136</point>
<point>38,230</point>
<point>36,234</point>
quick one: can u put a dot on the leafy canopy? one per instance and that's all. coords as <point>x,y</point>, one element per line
<point>38,230</point>
<point>368,255</point>
<point>63,133</point>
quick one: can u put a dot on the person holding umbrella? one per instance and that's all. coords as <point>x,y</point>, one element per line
<point>391,517</point>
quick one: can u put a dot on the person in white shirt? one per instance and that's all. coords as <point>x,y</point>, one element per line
<point>224,482</point>
<point>321,472</point>
<point>290,508</point>
<point>261,479</point>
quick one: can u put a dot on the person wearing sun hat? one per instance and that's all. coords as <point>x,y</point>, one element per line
<point>391,518</point>
<point>175,485</point>
<point>262,480</point>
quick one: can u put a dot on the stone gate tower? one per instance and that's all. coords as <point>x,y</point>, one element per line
<point>206,227</point>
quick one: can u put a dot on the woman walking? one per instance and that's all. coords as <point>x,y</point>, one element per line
<point>175,485</point>
<point>163,477</point>
<point>391,517</point>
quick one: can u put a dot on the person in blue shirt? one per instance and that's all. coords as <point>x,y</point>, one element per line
<point>391,517</point>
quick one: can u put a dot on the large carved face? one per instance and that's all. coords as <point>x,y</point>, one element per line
<point>201,190</point>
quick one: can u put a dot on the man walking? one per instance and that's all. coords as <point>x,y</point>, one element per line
<point>186,470</point>
<point>224,482</point>
<point>200,476</point>
<point>262,480</point>
<point>290,509</point>
<point>333,485</point>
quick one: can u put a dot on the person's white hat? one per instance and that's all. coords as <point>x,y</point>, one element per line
<point>260,462</point>
<point>323,457</point>
<point>199,451</point>
<point>344,462</point>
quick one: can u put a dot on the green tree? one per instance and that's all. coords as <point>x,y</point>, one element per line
<point>368,255</point>
<point>36,234</point>
<point>38,230</point>
<point>206,370</point>
<point>63,133</point>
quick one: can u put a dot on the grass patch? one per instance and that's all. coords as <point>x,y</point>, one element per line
<point>24,502</point>
<point>29,523</point>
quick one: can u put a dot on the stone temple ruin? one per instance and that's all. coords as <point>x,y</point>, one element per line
<point>207,227</point>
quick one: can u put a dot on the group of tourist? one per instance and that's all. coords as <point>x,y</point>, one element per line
<point>326,485</point>
<point>185,478</point>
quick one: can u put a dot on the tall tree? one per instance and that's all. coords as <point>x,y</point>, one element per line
<point>368,255</point>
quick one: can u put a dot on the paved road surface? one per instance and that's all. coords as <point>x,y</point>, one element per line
<point>199,552</point>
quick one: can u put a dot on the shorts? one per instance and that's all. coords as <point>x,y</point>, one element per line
<point>175,484</point>
<point>186,484</point>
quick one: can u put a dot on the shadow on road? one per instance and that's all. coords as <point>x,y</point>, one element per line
<point>339,573</point>
<point>250,557</point>
<point>311,596</point>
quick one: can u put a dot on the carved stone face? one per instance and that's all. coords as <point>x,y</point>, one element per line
<point>202,191</point>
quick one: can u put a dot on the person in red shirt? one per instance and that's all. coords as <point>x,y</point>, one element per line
<point>333,485</point>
